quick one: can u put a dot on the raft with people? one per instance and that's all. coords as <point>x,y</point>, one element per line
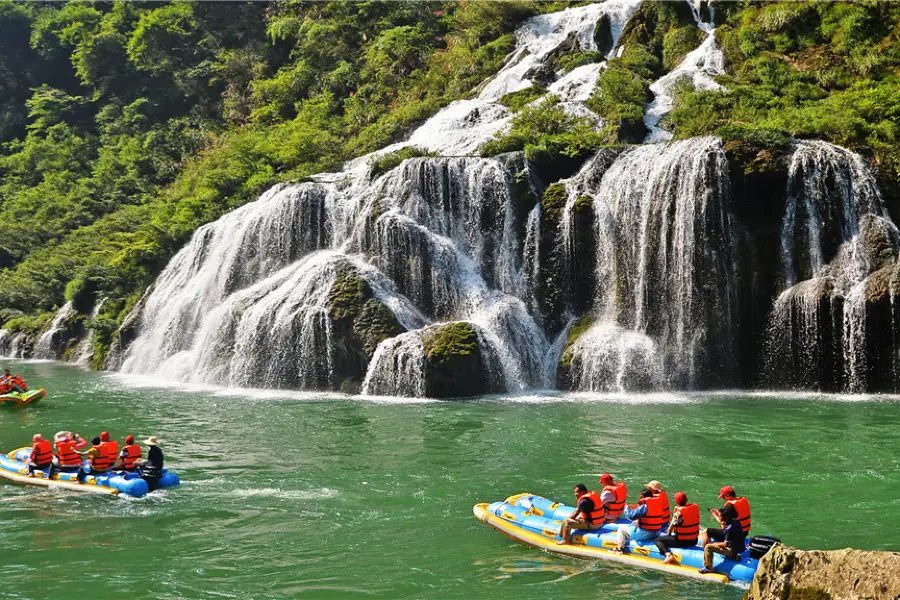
<point>14,390</point>
<point>680,549</point>
<point>102,469</point>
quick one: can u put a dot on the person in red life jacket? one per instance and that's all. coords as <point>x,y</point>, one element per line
<point>67,457</point>
<point>742,510</point>
<point>613,495</point>
<point>647,514</point>
<point>733,542</point>
<point>657,489</point>
<point>682,531</point>
<point>588,513</point>
<point>112,446</point>
<point>18,383</point>
<point>41,456</point>
<point>99,457</point>
<point>5,383</point>
<point>130,455</point>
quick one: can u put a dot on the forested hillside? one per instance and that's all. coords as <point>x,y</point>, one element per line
<point>125,126</point>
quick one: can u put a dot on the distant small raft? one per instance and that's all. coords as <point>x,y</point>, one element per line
<point>536,521</point>
<point>22,398</point>
<point>13,468</point>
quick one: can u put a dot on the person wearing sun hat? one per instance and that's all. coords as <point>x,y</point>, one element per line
<point>152,468</point>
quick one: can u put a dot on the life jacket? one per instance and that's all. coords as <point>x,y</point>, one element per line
<point>42,452</point>
<point>666,514</point>
<point>65,452</point>
<point>5,386</point>
<point>598,515</point>
<point>742,506</point>
<point>614,509</point>
<point>19,381</point>
<point>113,447</point>
<point>132,453</point>
<point>690,522</point>
<point>103,461</point>
<point>652,520</point>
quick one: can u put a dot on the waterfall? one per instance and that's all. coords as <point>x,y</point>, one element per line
<point>608,358</point>
<point>85,350</point>
<point>699,67</point>
<point>5,342</point>
<point>50,344</point>
<point>665,256</point>
<point>835,232</point>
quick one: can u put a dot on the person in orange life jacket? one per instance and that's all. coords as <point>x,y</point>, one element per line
<point>130,455</point>
<point>589,507</point>
<point>5,384</point>
<point>100,459</point>
<point>112,446</point>
<point>41,456</point>
<point>647,515</point>
<point>67,458</point>
<point>613,497</point>
<point>742,510</point>
<point>733,543</point>
<point>657,489</point>
<point>682,531</point>
<point>11,382</point>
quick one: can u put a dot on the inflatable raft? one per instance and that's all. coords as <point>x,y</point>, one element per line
<point>13,468</point>
<point>536,521</point>
<point>22,398</point>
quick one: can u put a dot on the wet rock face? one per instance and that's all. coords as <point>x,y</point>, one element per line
<point>455,362</point>
<point>790,574</point>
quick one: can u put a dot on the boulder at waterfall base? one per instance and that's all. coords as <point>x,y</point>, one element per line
<point>454,362</point>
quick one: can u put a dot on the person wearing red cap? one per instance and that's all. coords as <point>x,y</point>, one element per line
<point>682,531</point>
<point>112,446</point>
<point>613,495</point>
<point>742,510</point>
<point>130,455</point>
<point>41,456</point>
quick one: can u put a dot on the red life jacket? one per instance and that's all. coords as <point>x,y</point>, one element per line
<point>132,453</point>
<point>5,387</point>
<point>614,509</point>
<point>690,522</point>
<point>103,461</point>
<point>42,452</point>
<point>652,520</point>
<point>19,381</point>
<point>742,506</point>
<point>666,515</point>
<point>598,515</point>
<point>65,452</point>
<point>113,447</point>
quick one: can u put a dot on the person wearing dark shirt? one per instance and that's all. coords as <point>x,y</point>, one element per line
<point>588,514</point>
<point>683,529</point>
<point>733,543</point>
<point>152,468</point>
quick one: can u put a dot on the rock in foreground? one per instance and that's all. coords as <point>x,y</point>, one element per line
<point>790,574</point>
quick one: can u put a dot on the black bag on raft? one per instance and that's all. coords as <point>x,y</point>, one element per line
<point>760,544</point>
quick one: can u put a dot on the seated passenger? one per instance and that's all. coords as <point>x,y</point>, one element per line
<point>151,470</point>
<point>130,455</point>
<point>112,446</point>
<point>657,489</point>
<point>648,514</point>
<point>590,507</point>
<point>5,384</point>
<point>733,543</point>
<point>67,457</point>
<point>18,383</point>
<point>41,456</point>
<point>99,457</point>
<point>682,531</point>
<point>613,495</point>
<point>742,510</point>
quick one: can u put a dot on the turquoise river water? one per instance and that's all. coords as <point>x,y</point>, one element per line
<point>291,495</point>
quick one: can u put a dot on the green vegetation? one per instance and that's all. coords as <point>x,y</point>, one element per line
<point>386,162</point>
<point>443,344</point>
<point>124,126</point>
<point>576,330</point>
<point>516,101</point>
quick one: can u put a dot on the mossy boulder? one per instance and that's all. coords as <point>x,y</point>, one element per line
<point>603,35</point>
<point>359,322</point>
<point>563,370</point>
<point>678,42</point>
<point>457,364</point>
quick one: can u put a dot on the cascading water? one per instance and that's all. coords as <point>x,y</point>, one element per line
<point>699,68</point>
<point>85,350</point>
<point>48,345</point>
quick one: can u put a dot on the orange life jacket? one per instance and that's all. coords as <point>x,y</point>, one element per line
<point>666,514</point>
<point>132,452</point>
<point>42,452</point>
<point>19,381</point>
<point>690,522</point>
<point>652,520</point>
<point>65,452</point>
<point>113,447</point>
<point>598,515</point>
<point>5,386</point>
<point>103,461</point>
<point>614,509</point>
<point>742,506</point>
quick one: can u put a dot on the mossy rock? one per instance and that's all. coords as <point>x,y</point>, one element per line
<point>554,201</point>
<point>603,35</point>
<point>577,329</point>
<point>515,101</point>
<point>678,42</point>
<point>455,362</point>
<point>578,59</point>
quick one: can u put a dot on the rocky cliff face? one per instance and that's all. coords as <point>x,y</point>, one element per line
<point>791,574</point>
